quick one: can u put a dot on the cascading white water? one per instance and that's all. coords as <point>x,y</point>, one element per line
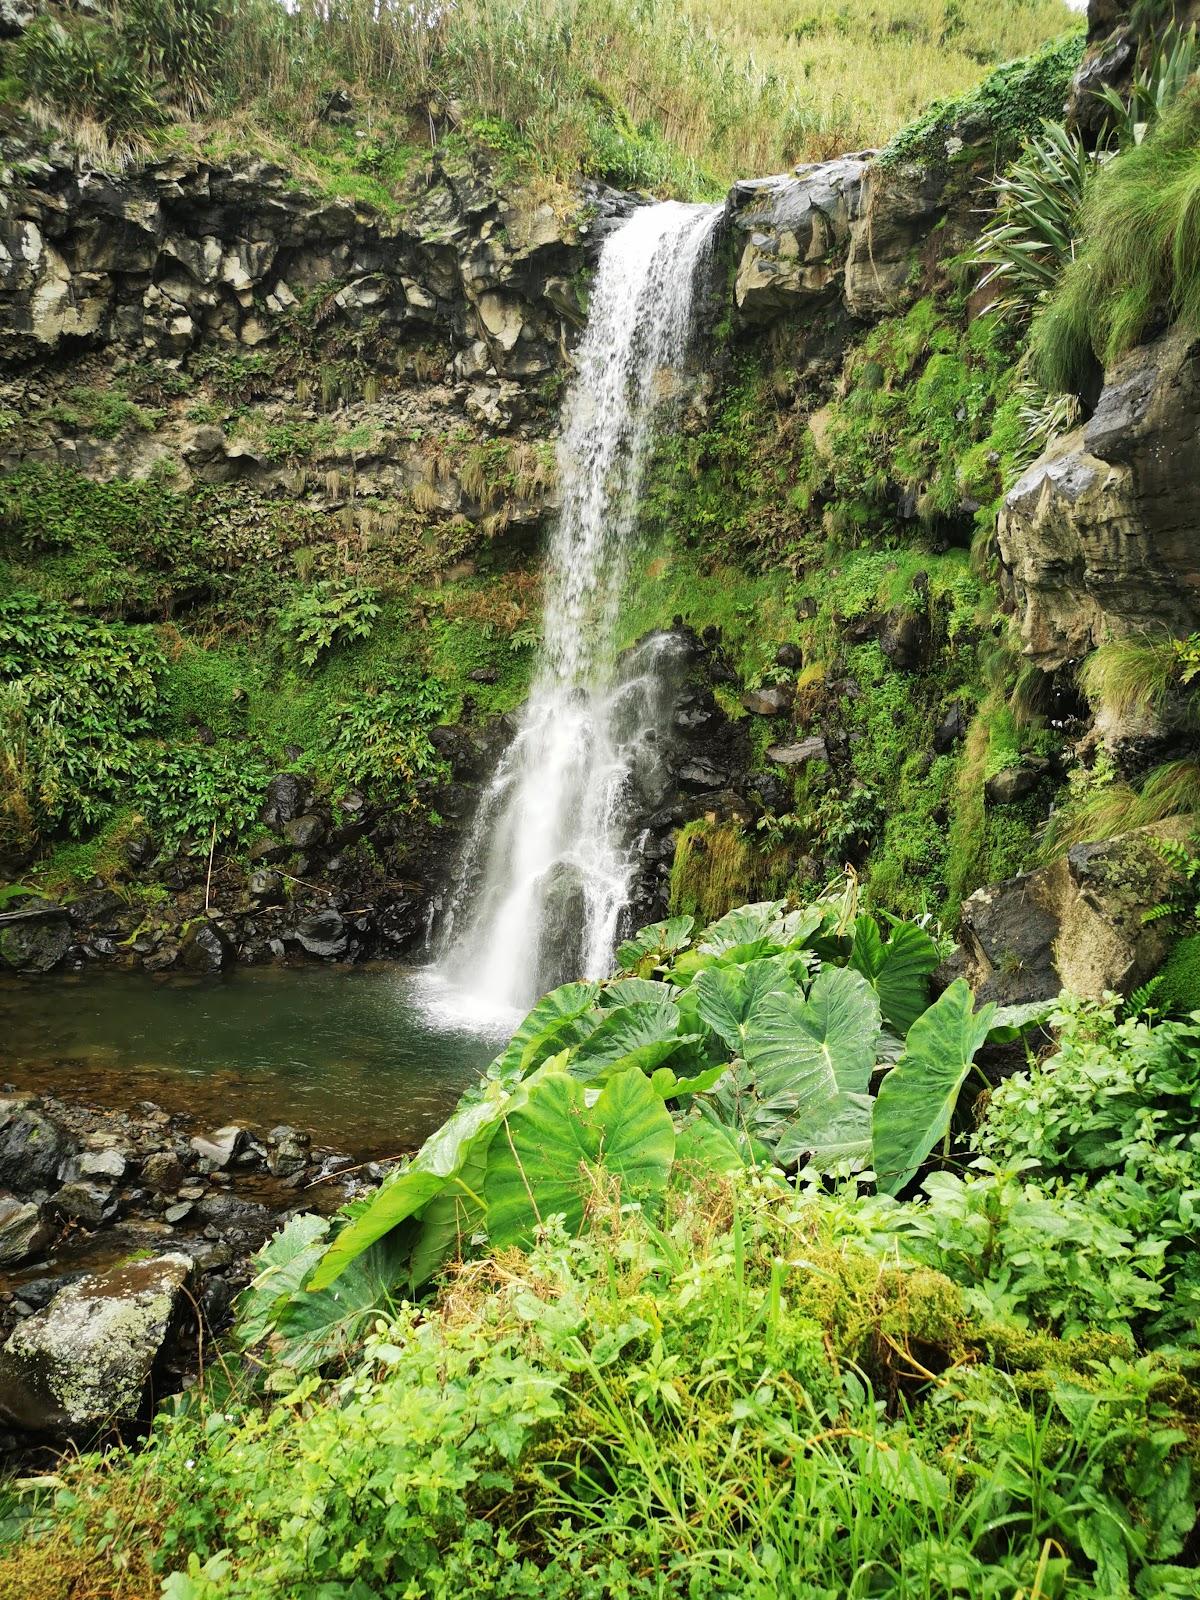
<point>548,866</point>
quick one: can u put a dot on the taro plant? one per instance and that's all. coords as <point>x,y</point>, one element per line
<point>771,1038</point>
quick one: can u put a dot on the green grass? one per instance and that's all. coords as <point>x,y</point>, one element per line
<point>678,95</point>
<point>1138,259</point>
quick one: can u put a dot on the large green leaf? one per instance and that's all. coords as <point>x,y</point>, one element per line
<point>644,1034</point>
<point>402,1194</point>
<point>624,991</point>
<point>745,933</point>
<point>651,946</point>
<point>668,1087</point>
<point>805,1052</point>
<point>559,1019</point>
<point>726,997</point>
<point>707,1147</point>
<point>916,1099</point>
<point>840,1132</point>
<point>898,970</point>
<point>549,1156</point>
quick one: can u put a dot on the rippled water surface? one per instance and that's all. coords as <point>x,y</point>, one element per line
<point>368,1060</point>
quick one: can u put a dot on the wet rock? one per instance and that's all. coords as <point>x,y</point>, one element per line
<point>95,909</point>
<point>23,1231</point>
<point>206,948</point>
<point>83,1201</point>
<point>951,729</point>
<point>1077,924</point>
<point>163,957</point>
<point>1014,783</point>
<point>221,1147</point>
<point>306,832</point>
<point>234,1220</point>
<point>287,797</point>
<point>179,1212</point>
<point>265,888</point>
<point>106,1165</point>
<point>288,1152</point>
<point>700,774</point>
<point>796,229</point>
<point>162,1170</point>
<point>789,655</point>
<point>772,700</point>
<point>906,638</point>
<point>88,1356</point>
<point>1097,538</point>
<point>322,934</point>
<point>32,1148</point>
<point>800,753</point>
<point>402,922</point>
<point>39,940</point>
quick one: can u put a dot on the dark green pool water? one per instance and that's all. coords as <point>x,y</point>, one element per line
<point>368,1060</point>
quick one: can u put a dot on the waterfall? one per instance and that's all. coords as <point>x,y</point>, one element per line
<point>550,858</point>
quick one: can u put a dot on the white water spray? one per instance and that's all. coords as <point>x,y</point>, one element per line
<point>547,869</point>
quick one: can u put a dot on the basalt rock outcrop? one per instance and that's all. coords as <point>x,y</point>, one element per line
<point>1098,536</point>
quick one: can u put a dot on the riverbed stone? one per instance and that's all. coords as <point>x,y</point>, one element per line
<point>23,1230</point>
<point>162,1170</point>
<point>221,1147</point>
<point>83,1200</point>
<point>39,941</point>
<point>206,948</point>
<point>306,832</point>
<point>288,1151</point>
<point>32,1147</point>
<point>323,933</point>
<point>107,1165</point>
<point>87,1357</point>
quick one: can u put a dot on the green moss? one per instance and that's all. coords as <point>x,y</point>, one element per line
<point>1180,987</point>
<point>715,867</point>
<point>1010,104</point>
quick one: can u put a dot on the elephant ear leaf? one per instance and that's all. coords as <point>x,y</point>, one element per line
<point>1011,1023</point>
<point>898,971</point>
<point>654,945</point>
<point>643,1035</point>
<point>559,1019</point>
<point>727,997</point>
<point>437,1165</point>
<point>805,1053</point>
<point>917,1098</point>
<point>841,1133</point>
<point>550,1155</point>
<point>744,933</point>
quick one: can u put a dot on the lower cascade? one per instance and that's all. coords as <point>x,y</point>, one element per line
<point>548,864</point>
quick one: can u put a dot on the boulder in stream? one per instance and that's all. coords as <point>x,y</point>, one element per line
<point>87,1357</point>
<point>32,1147</point>
<point>23,1232</point>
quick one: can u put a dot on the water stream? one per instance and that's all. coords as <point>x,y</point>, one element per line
<point>548,865</point>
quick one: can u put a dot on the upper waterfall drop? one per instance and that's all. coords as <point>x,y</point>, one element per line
<point>548,864</point>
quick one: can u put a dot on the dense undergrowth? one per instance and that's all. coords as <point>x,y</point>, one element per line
<point>661,94</point>
<point>719,1372</point>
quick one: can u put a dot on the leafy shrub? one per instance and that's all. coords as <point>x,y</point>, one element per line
<point>197,792</point>
<point>328,613</point>
<point>767,1028</point>
<point>381,737</point>
<point>76,692</point>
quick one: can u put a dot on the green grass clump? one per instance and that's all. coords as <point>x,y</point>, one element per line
<point>1139,255</point>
